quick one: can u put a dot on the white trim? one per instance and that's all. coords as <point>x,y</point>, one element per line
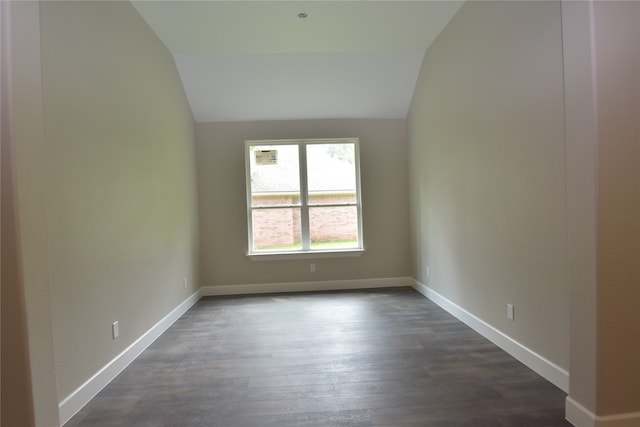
<point>303,191</point>
<point>71,404</point>
<point>580,416</point>
<point>287,256</point>
<point>549,370</point>
<point>330,285</point>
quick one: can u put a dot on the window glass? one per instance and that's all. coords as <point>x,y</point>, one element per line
<point>274,175</point>
<point>331,173</point>
<point>333,227</point>
<point>276,229</point>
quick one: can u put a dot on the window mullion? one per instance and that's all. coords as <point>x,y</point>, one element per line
<point>247,166</point>
<point>356,148</point>
<point>304,198</point>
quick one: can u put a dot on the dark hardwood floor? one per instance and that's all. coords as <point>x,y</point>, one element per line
<point>383,357</point>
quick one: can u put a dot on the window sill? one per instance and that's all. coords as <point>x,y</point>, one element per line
<point>287,256</point>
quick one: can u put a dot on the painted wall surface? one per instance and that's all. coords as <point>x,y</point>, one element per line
<point>120,182</point>
<point>222,201</point>
<point>28,280</point>
<point>16,398</point>
<point>16,402</point>
<point>581,199</point>
<point>487,162</point>
<point>616,27</point>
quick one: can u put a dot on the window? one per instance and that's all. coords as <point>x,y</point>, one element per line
<point>303,197</point>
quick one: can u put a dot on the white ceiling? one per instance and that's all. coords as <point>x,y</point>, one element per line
<point>256,60</point>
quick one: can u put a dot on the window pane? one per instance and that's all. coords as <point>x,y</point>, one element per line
<point>276,229</point>
<point>331,173</point>
<point>333,227</point>
<point>275,176</point>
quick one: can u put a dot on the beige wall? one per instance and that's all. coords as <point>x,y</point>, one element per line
<point>616,27</point>
<point>120,182</point>
<point>16,398</point>
<point>581,199</point>
<point>16,407</point>
<point>602,92</point>
<point>222,200</point>
<point>28,281</point>
<point>486,143</point>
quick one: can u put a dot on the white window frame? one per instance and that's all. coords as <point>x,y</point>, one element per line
<point>306,251</point>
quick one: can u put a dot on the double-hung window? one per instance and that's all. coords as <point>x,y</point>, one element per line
<point>303,197</point>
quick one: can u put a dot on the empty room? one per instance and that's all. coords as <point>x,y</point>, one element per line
<point>320,213</point>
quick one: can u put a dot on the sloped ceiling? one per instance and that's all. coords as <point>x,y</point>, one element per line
<point>257,60</point>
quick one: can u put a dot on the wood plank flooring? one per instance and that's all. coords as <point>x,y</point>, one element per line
<point>383,357</point>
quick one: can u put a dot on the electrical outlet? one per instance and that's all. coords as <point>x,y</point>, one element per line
<point>312,268</point>
<point>185,283</point>
<point>428,271</point>
<point>115,329</point>
<point>510,312</point>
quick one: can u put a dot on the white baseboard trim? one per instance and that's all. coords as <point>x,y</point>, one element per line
<point>71,404</point>
<point>547,369</point>
<point>330,285</point>
<point>580,416</point>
